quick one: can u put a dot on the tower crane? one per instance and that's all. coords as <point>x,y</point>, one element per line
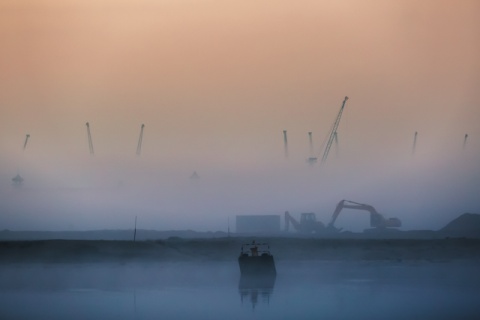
<point>140,139</point>
<point>333,132</point>
<point>90,143</point>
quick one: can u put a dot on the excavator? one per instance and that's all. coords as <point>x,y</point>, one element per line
<point>308,223</point>
<point>376,219</point>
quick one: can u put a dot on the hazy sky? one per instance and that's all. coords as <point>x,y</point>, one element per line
<point>216,83</point>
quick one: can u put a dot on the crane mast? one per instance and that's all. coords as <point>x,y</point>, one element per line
<point>333,133</point>
<point>140,139</point>
<point>285,143</point>
<point>310,142</point>
<point>336,143</point>
<point>18,180</point>
<point>414,147</point>
<point>26,140</point>
<point>90,143</point>
<point>312,159</point>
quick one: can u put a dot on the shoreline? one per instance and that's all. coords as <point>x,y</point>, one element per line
<point>228,248</point>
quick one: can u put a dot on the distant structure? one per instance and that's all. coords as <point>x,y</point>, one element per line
<point>17,180</point>
<point>140,139</point>
<point>285,143</point>
<point>414,147</point>
<point>333,132</point>
<point>465,226</point>
<point>465,141</point>
<point>311,160</point>
<point>258,223</point>
<point>194,176</point>
<point>90,143</point>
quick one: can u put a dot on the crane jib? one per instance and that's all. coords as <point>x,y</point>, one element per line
<point>333,133</point>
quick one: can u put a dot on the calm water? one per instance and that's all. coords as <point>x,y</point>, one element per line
<point>301,290</point>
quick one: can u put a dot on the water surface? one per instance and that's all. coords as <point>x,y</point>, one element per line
<point>207,290</point>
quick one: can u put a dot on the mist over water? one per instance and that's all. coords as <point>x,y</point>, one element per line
<point>101,193</point>
<point>205,290</point>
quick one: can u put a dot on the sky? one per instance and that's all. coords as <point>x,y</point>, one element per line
<point>216,83</point>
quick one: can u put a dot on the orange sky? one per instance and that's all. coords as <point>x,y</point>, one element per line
<point>216,82</point>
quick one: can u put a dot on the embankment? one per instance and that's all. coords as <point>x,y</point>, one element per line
<point>223,249</point>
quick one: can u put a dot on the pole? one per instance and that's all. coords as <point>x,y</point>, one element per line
<point>135,230</point>
<point>228,231</point>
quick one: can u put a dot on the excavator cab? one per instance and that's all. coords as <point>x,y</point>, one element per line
<point>307,218</point>
<point>308,223</point>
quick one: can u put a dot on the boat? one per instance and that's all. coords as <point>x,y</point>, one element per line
<point>256,259</point>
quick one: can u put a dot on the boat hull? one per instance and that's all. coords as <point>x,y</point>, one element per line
<point>256,265</point>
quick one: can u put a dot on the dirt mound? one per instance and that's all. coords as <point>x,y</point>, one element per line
<point>467,225</point>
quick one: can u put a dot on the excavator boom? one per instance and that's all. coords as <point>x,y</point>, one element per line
<point>376,219</point>
<point>289,219</point>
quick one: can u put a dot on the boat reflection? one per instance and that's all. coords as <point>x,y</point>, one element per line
<point>256,288</point>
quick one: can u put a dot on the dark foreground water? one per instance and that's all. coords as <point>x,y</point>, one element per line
<point>196,290</point>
